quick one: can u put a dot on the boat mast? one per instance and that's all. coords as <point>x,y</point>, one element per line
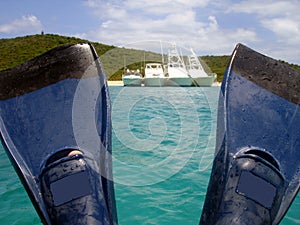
<point>181,57</point>
<point>194,61</point>
<point>162,53</point>
<point>174,57</point>
<point>124,61</point>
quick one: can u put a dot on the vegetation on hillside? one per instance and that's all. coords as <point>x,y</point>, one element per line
<point>115,60</point>
<point>295,66</point>
<point>15,51</point>
<point>217,64</point>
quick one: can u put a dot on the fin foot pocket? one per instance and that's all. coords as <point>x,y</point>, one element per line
<point>61,154</point>
<point>258,106</point>
<point>66,184</point>
<point>253,190</point>
<point>264,156</point>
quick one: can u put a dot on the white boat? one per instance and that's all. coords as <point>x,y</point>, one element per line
<point>176,70</point>
<point>132,78</point>
<point>154,75</point>
<point>196,71</point>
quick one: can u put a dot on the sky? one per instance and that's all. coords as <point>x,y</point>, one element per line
<point>210,27</point>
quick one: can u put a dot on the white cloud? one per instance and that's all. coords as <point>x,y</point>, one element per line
<point>211,38</point>
<point>24,25</point>
<point>287,30</point>
<point>154,7</point>
<point>165,7</point>
<point>265,8</point>
<point>280,17</point>
<point>164,20</point>
<point>272,27</point>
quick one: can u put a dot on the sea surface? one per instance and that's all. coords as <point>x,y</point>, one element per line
<point>163,148</point>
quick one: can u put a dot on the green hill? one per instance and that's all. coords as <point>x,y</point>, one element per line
<point>15,51</point>
<point>18,50</point>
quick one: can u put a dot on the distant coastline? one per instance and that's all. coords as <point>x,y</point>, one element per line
<point>115,83</point>
<point>120,83</point>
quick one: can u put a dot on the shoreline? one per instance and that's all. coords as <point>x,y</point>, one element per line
<point>115,83</point>
<point>120,83</point>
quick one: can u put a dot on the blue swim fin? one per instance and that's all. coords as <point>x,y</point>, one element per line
<point>256,170</point>
<point>50,106</point>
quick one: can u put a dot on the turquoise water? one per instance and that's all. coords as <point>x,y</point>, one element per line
<point>163,147</point>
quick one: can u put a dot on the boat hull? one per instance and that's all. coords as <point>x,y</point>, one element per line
<point>132,82</point>
<point>154,82</point>
<point>179,81</point>
<point>204,81</point>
